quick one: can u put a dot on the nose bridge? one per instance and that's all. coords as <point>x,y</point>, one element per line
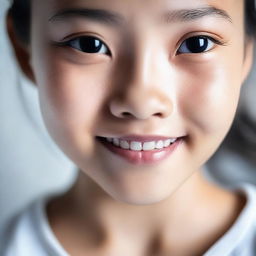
<point>143,91</point>
<point>144,68</point>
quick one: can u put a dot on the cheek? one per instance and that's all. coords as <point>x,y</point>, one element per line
<point>71,97</point>
<point>73,93</point>
<point>209,100</point>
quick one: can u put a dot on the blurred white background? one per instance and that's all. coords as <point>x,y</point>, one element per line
<point>32,165</point>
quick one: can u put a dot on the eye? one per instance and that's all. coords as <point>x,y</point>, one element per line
<point>88,44</point>
<point>197,44</point>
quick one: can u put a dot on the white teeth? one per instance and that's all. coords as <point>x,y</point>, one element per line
<point>149,145</point>
<point>173,140</point>
<point>167,143</point>
<point>159,144</point>
<point>136,146</point>
<point>124,144</point>
<point>116,142</point>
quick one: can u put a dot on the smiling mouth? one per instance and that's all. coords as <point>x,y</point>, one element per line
<point>139,145</point>
<point>141,150</point>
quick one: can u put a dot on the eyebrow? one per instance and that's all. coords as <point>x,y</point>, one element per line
<point>112,18</point>
<point>98,15</point>
<point>194,14</point>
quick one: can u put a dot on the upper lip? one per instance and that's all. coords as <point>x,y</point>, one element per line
<point>143,138</point>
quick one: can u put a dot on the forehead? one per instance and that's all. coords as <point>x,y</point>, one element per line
<point>131,7</point>
<point>140,14</point>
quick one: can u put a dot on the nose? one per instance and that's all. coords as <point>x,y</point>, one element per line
<point>143,90</point>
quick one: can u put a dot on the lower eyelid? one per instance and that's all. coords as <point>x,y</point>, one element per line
<point>77,57</point>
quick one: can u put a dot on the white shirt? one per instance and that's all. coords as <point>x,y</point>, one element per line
<point>32,234</point>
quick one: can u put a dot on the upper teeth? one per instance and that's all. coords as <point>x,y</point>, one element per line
<point>138,146</point>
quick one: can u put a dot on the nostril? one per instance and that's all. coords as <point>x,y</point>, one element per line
<point>125,114</point>
<point>140,109</point>
<point>159,114</point>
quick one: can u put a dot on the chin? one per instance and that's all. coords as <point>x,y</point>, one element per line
<point>141,198</point>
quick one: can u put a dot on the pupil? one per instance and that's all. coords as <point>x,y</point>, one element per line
<point>90,44</point>
<point>197,44</point>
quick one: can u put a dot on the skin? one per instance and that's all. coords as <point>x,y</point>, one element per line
<point>138,209</point>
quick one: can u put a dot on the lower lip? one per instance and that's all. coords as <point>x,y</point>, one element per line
<point>142,157</point>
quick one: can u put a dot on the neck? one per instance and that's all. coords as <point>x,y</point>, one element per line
<point>186,210</point>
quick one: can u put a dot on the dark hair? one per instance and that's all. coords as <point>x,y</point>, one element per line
<point>20,12</point>
<point>250,17</point>
<point>243,128</point>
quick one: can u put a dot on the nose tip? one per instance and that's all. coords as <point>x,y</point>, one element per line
<point>141,106</point>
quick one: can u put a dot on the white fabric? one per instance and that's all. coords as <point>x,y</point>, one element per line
<point>32,234</point>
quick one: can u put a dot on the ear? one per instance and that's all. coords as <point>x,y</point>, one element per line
<point>248,57</point>
<point>21,51</point>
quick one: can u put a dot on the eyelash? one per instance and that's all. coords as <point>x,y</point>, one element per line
<point>203,39</point>
<point>101,47</point>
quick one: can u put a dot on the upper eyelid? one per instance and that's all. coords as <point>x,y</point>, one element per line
<point>66,41</point>
<point>180,42</point>
<point>219,41</point>
<point>76,37</point>
<point>202,34</point>
<point>214,40</point>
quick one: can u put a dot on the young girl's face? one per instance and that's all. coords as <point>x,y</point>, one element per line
<point>136,70</point>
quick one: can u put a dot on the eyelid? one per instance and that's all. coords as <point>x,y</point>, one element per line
<point>219,41</point>
<point>82,34</point>
<point>213,36</point>
<point>65,42</point>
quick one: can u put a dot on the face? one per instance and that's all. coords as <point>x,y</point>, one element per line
<point>143,73</point>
